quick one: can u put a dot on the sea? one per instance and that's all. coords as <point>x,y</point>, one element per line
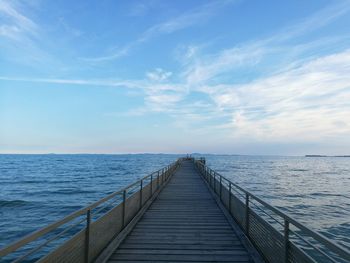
<point>36,190</point>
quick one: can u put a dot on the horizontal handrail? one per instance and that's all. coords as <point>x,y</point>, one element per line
<point>331,245</point>
<point>41,232</point>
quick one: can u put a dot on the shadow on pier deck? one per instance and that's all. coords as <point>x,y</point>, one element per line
<point>184,224</point>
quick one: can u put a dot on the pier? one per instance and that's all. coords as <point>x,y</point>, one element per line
<point>185,212</point>
<point>183,224</point>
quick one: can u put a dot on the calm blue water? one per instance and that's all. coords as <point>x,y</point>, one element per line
<point>39,189</point>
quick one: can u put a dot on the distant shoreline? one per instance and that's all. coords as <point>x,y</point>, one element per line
<point>318,155</point>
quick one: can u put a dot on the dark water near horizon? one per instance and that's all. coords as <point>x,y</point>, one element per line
<point>36,190</point>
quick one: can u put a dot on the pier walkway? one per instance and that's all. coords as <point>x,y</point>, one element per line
<point>184,224</point>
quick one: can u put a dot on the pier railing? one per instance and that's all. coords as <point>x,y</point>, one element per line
<point>83,235</point>
<point>277,236</point>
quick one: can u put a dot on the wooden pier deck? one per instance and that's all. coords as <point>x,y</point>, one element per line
<point>184,224</point>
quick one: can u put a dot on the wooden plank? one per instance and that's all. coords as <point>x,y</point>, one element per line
<point>190,231</point>
<point>182,246</point>
<point>202,258</point>
<point>186,242</point>
<point>172,261</point>
<point>183,252</point>
<point>183,235</point>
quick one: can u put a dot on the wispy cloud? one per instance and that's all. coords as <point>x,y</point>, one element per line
<point>118,53</point>
<point>183,21</point>
<point>300,97</point>
<point>318,20</point>
<point>15,25</point>
<point>158,75</point>
<point>158,96</point>
<point>85,82</point>
<point>23,40</point>
<point>310,102</point>
<point>255,54</point>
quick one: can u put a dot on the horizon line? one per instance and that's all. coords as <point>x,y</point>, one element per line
<point>162,153</point>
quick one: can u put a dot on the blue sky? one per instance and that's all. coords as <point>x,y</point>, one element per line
<point>245,76</point>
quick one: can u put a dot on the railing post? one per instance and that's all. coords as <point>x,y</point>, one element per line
<point>215,183</point>
<point>151,185</point>
<point>229,196</point>
<point>286,240</point>
<point>158,179</point>
<point>247,213</point>
<point>220,187</point>
<point>140,193</point>
<point>123,215</point>
<point>211,179</point>
<point>87,235</point>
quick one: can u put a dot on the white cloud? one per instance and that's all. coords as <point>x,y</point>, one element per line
<point>158,75</point>
<point>310,102</point>
<point>15,24</point>
<point>255,54</point>
<point>318,20</point>
<point>90,82</point>
<point>202,71</point>
<point>183,21</point>
<point>117,53</point>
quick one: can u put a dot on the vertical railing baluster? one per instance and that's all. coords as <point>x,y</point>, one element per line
<point>286,240</point>
<point>87,235</point>
<point>210,180</point>
<point>140,193</point>
<point>215,182</point>
<point>220,187</point>
<point>158,179</point>
<point>229,197</point>
<point>123,215</point>
<point>247,213</point>
<point>151,185</point>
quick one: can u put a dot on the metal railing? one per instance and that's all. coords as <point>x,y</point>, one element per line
<point>82,235</point>
<point>277,236</point>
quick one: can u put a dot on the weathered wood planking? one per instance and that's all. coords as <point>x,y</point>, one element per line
<point>184,224</point>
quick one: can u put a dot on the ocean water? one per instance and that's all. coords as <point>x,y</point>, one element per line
<point>36,190</point>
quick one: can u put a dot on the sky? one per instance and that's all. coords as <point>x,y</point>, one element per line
<point>228,77</point>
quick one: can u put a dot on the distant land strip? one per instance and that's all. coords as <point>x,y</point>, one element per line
<point>318,155</point>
